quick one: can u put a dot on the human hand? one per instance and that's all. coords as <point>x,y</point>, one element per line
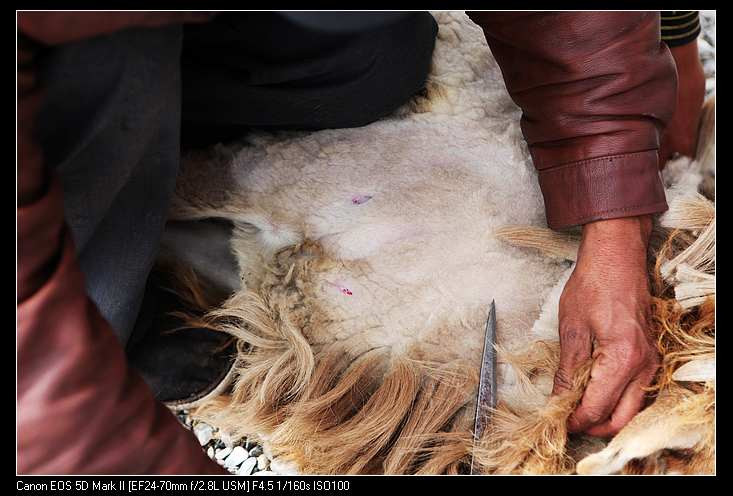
<point>603,314</point>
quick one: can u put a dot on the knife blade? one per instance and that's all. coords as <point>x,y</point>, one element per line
<point>486,398</point>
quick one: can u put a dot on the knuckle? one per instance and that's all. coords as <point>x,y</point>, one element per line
<point>563,379</point>
<point>573,335</point>
<point>631,356</point>
<point>614,364</point>
<point>593,415</point>
<point>570,331</point>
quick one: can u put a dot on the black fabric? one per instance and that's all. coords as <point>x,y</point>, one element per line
<point>263,70</point>
<point>110,127</point>
<point>179,364</point>
<point>343,22</point>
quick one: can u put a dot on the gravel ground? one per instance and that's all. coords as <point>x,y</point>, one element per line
<point>241,458</point>
<point>247,458</point>
<point>706,45</point>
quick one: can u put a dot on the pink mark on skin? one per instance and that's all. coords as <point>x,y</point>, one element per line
<point>342,289</point>
<point>359,199</point>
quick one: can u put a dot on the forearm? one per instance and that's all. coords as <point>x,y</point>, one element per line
<point>680,31</point>
<point>596,90</point>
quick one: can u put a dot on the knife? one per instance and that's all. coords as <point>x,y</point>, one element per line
<point>487,383</point>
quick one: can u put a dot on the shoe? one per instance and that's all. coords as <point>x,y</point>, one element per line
<point>183,366</point>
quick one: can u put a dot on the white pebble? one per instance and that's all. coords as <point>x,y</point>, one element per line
<point>262,462</point>
<point>705,48</point>
<point>228,441</point>
<point>203,432</point>
<point>709,85</point>
<point>223,453</point>
<point>210,452</point>
<point>238,455</point>
<point>247,467</point>
<point>709,66</point>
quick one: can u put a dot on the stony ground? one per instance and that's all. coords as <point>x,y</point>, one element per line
<point>706,45</point>
<point>247,458</point>
<point>241,458</point>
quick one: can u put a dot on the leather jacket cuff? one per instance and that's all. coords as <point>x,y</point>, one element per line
<point>608,187</point>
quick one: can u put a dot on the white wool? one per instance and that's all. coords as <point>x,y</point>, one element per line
<point>681,178</point>
<point>698,370</point>
<point>420,257</point>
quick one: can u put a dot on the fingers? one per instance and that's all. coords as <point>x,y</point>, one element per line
<point>609,378</point>
<point>631,402</point>
<point>628,406</point>
<point>575,350</point>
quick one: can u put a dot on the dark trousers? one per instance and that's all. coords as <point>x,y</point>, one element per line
<point>118,105</point>
<point>245,70</point>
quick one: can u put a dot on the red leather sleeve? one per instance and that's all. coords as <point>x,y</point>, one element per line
<point>596,90</point>
<point>52,28</point>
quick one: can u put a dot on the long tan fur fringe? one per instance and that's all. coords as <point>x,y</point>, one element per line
<point>329,410</point>
<point>332,410</point>
<point>531,442</point>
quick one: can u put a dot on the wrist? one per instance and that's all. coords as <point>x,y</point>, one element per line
<point>620,241</point>
<point>639,227</point>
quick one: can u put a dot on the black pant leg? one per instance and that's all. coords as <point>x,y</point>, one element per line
<point>263,70</point>
<point>110,125</point>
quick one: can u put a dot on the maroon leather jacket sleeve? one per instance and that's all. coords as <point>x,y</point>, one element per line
<point>596,90</point>
<point>53,28</point>
<point>80,408</point>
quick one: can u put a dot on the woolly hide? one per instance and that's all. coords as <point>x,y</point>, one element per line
<point>368,259</point>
